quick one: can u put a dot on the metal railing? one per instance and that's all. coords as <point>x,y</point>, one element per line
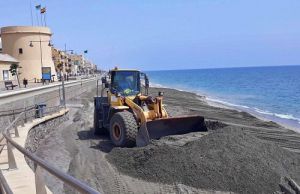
<point>4,186</point>
<point>14,112</point>
<point>39,164</point>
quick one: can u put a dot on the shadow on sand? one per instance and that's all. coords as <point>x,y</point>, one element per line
<point>103,142</point>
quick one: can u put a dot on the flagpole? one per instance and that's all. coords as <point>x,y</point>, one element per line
<point>45,19</point>
<point>31,12</point>
<point>41,18</point>
<point>37,19</point>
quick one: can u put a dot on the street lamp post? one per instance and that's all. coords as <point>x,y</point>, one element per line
<point>64,67</point>
<point>41,50</point>
<point>84,62</point>
<point>63,77</point>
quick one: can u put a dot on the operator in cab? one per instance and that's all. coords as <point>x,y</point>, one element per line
<point>126,82</point>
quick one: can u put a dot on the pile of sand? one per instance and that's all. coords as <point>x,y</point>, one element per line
<point>226,160</point>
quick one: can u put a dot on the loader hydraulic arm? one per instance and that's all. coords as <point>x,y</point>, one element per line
<point>137,110</point>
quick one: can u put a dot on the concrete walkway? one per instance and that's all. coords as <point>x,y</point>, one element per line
<point>38,86</point>
<point>22,179</point>
<point>31,84</point>
<point>14,95</point>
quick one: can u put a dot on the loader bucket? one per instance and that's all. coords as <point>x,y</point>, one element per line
<point>169,126</point>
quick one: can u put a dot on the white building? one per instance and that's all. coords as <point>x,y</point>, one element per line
<point>5,63</point>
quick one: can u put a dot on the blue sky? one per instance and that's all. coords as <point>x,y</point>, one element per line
<point>171,34</point>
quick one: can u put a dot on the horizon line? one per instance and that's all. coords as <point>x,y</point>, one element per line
<point>225,67</point>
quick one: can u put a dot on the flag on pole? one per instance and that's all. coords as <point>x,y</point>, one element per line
<point>38,6</point>
<point>86,51</point>
<point>43,10</point>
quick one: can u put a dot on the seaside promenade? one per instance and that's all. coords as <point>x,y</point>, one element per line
<point>17,119</point>
<point>22,179</point>
<point>11,97</point>
<point>33,84</point>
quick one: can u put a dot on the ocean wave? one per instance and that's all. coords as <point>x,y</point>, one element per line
<point>240,107</point>
<point>279,115</point>
<point>287,116</point>
<point>155,85</point>
<point>257,110</point>
<point>226,103</point>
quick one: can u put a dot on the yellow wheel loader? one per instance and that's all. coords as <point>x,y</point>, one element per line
<point>131,116</point>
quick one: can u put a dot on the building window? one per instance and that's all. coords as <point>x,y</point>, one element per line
<point>5,75</point>
<point>20,51</point>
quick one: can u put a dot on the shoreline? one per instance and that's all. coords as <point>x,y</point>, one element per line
<point>260,116</point>
<point>182,103</point>
<point>218,104</point>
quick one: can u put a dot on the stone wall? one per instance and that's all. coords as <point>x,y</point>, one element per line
<point>10,110</point>
<point>39,132</point>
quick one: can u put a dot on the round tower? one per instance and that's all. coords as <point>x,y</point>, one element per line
<point>31,46</point>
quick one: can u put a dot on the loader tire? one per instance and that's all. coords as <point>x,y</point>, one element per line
<point>97,129</point>
<point>123,129</point>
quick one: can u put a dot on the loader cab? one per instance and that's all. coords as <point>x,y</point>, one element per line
<point>125,82</point>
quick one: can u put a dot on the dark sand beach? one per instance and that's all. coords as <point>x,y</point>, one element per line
<point>240,153</point>
<point>181,102</point>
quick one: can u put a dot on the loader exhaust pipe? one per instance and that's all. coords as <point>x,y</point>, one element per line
<point>169,126</point>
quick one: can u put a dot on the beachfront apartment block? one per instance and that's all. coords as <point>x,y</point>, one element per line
<point>71,63</point>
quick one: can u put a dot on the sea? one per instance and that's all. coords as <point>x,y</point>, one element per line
<point>271,93</point>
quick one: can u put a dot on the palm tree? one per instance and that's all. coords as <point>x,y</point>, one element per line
<point>14,71</point>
